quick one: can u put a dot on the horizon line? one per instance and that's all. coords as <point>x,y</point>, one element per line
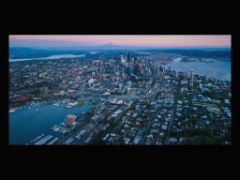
<point>119,46</point>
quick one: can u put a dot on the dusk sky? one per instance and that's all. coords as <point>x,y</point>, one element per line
<point>120,40</point>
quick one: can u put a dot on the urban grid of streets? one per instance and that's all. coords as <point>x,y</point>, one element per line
<point>134,101</point>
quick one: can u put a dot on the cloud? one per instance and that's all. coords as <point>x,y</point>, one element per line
<point>122,40</point>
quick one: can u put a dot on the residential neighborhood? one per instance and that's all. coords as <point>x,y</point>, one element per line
<point>134,101</point>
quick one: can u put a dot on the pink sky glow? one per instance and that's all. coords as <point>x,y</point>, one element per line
<point>121,40</point>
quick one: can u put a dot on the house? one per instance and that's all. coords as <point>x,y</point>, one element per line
<point>117,113</point>
<point>180,102</point>
<point>216,101</point>
<point>134,115</point>
<point>226,101</point>
<point>127,140</point>
<point>158,142</point>
<point>172,140</point>
<point>136,140</point>
<point>184,82</point>
<point>69,141</point>
<point>205,90</point>
<point>95,118</point>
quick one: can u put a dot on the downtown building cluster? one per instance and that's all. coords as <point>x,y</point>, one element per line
<point>134,100</point>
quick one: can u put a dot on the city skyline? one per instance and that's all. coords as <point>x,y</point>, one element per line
<point>125,96</point>
<point>167,41</point>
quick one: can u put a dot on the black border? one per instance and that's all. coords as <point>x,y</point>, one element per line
<point>124,152</point>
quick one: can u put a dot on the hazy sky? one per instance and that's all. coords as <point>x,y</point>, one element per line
<point>120,40</point>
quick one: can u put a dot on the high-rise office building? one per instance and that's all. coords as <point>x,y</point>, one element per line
<point>123,60</point>
<point>176,74</point>
<point>158,71</point>
<point>70,119</point>
<point>191,78</point>
<point>146,63</point>
<point>128,57</point>
<point>206,78</point>
<point>131,68</point>
<point>136,69</point>
<point>99,66</point>
<point>135,60</point>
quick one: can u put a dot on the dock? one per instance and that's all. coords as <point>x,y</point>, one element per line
<point>44,140</point>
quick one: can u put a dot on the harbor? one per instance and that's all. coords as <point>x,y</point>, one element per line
<point>25,124</point>
<point>57,103</point>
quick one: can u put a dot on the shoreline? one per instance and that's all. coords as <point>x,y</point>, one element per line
<point>47,58</point>
<point>35,104</point>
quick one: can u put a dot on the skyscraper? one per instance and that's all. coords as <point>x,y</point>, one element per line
<point>130,69</point>
<point>128,57</point>
<point>158,71</point>
<point>176,74</point>
<point>99,66</point>
<point>135,69</point>
<point>135,60</point>
<point>191,78</point>
<point>123,60</point>
<point>206,78</point>
<point>146,63</point>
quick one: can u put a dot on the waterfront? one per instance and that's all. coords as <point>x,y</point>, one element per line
<point>47,58</point>
<point>216,69</point>
<point>127,85</point>
<point>27,124</point>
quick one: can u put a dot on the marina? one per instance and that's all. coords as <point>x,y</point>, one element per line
<point>25,124</point>
<point>120,90</point>
<point>56,128</point>
<point>44,140</point>
<point>12,110</point>
<point>70,105</point>
<point>39,137</point>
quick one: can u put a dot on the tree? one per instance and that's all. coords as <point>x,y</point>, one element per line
<point>206,93</point>
<point>209,140</point>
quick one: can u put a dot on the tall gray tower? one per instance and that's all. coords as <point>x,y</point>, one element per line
<point>191,78</point>
<point>128,57</point>
<point>206,78</point>
<point>176,74</point>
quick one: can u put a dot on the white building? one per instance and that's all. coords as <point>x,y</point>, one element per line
<point>123,59</point>
<point>90,82</point>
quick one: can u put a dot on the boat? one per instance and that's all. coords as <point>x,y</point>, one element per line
<point>12,110</point>
<point>36,109</point>
<point>56,104</point>
<point>53,127</point>
<point>68,106</point>
<point>37,138</point>
<point>64,131</point>
<point>29,108</point>
<point>56,128</point>
<point>62,124</point>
